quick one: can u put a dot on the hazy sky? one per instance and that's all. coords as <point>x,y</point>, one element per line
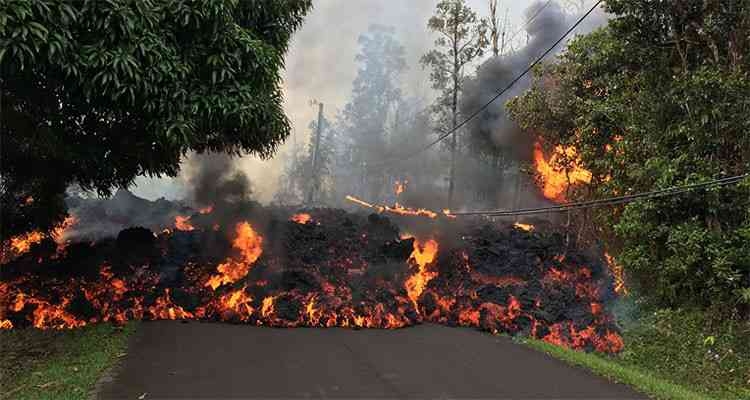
<point>320,65</point>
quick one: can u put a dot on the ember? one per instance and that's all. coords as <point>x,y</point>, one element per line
<point>301,218</point>
<point>182,223</point>
<point>348,271</point>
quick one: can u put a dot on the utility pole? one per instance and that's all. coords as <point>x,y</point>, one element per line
<point>315,156</point>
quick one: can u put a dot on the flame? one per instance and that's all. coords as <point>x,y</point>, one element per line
<point>364,203</point>
<point>237,302</point>
<point>618,274</point>
<point>206,210</point>
<point>22,243</point>
<point>249,243</point>
<point>524,227</point>
<point>301,218</point>
<point>182,223</point>
<point>422,255</point>
<point>420,212</point>
<point>556,180</point>
<point>396,209</point>
<point>6,324</point>
<point>267,306</point>
<point>399,187</point>
<point>164,308</point>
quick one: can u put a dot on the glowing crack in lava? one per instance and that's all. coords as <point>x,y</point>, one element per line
<point>556,180</point>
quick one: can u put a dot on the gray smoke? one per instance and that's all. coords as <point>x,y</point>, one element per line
<point>493,126</point>
<point>216,181</point>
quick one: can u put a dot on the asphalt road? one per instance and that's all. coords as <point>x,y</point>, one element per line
<point>207,360</point>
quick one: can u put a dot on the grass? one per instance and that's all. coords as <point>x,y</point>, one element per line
<point>47,364</point>
<point>673,354</point>
<point>643,381</point>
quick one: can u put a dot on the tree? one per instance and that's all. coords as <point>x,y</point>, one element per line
<point>659,98</point>
<point>461,39</point>
<point>95,93</point>
<point>365,117</point>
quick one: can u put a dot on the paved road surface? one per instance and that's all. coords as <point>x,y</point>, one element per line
<point>206,360</point>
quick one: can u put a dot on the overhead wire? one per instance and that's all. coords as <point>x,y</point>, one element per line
<point>609,201</point>
<point>497,96</point>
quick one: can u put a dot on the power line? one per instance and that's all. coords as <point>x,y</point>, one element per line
<point>610,201</point>
<point>497,96</point>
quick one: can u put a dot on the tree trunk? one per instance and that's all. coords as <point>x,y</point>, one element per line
<point>454,116</point>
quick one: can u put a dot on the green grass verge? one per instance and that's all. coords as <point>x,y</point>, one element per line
<point>46,364</point>
<point>673,354</point>
<point>643,381</point>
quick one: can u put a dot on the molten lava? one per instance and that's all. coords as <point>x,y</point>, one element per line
<point>182,223</point>
<point>423,254</point>
<point>524,227</point>
<point>249,243</point>
<point>617,274</point>
<point>350,271</point>
<point>22,243</point>
<point>556,180</point>
<point>301,218</point>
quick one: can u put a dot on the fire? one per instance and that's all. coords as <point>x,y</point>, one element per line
<point>301,218</point>
<point>524,227</point>
<point>182,223</point>
<point>164,308</point>
<point>399,209</point>
<point>206,210</point>
<point>423,254</point>
<point>330,276</point>
<point>22,243</point>
<point>237,302</point>
<point>249,243</point>
<point>556,181</point>
<point>618,274</point>
<point>399,187</point>
<point>267,306</point>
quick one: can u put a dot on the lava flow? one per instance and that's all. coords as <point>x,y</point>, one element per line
<point>345,270</point>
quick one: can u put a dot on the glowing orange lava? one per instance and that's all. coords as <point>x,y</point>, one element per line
<point>206,210</point>
<point>249,243</point>
<point>556,180</point>
<point>399,187</point>
<point>22,243</point>
<point>423,254</point>
<point>182,223</point>
<point>301,218</point>
<point>618,275</point>
<point>524,227</point>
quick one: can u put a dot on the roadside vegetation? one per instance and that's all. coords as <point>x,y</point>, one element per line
<point>58,364</point>
<point>672,354</point>
<point>659,98</point>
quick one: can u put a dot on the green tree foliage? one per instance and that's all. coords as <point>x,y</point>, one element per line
<point>96,93</point>
<point>462,37</point>
<point>659,98</point>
